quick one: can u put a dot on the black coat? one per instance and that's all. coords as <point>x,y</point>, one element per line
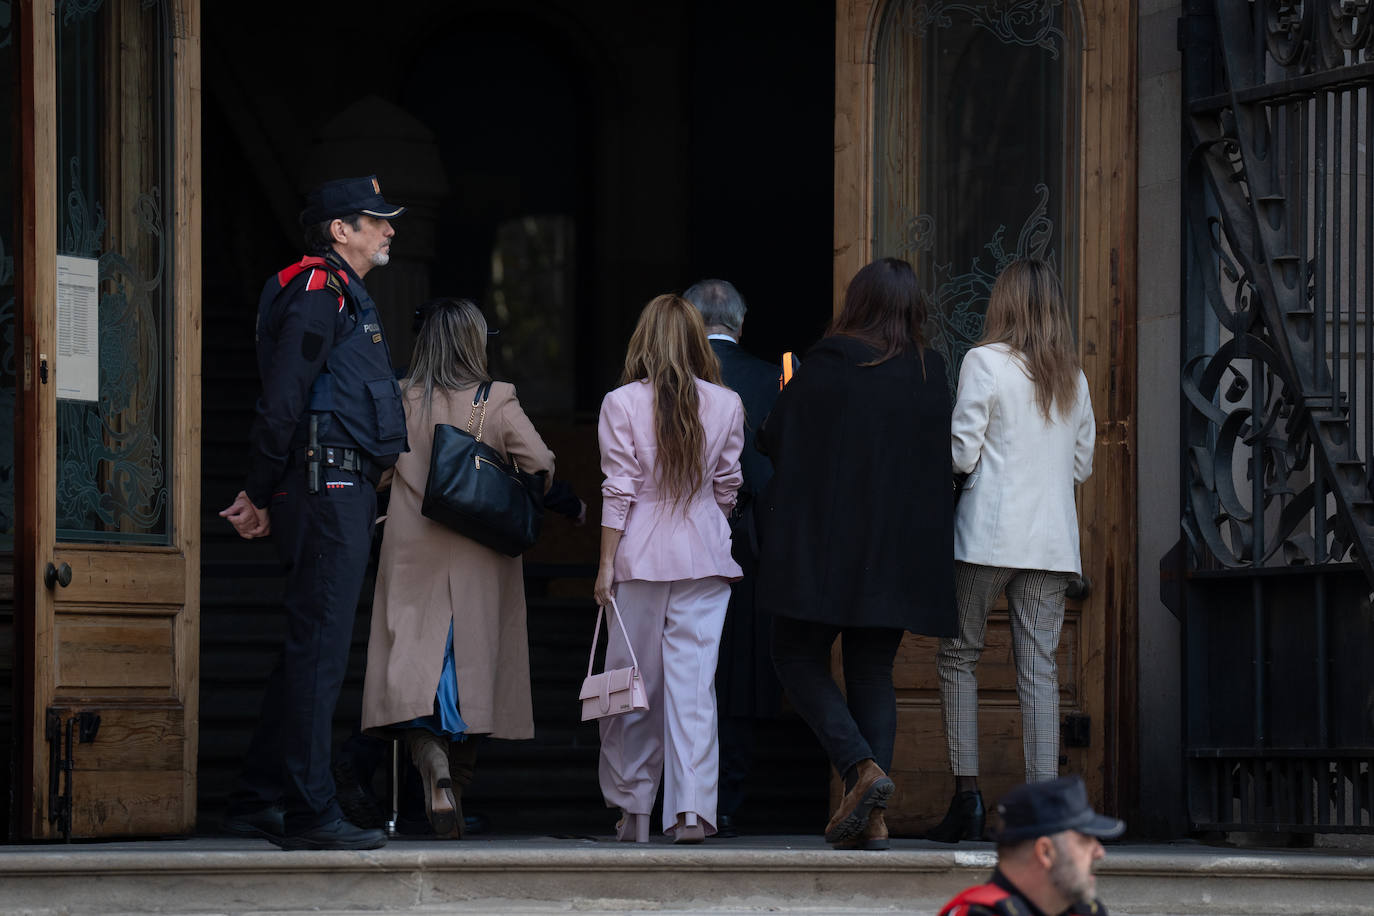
<point>857,526</point>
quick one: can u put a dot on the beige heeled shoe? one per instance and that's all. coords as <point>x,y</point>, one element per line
<point>462,766</point>
<point>632,828</point>
<point>688,829</point>
<point>428,753</point>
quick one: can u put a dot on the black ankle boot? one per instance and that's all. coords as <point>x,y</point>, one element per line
<point>963,821</point>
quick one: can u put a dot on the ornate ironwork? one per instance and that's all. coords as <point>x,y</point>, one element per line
<point>1273,238</point>
<point>1278,413</point>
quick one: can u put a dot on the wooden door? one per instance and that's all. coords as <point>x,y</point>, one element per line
<point>107,418</point>
<point>967,134</point>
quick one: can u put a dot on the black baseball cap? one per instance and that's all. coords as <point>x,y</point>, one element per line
<point>346,196</point>
<point>1039,809</point>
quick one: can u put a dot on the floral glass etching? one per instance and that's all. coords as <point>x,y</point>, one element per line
<point>113,144</point>
<point>973,136</point>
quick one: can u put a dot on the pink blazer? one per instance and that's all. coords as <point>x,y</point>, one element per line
<point>659,544</point>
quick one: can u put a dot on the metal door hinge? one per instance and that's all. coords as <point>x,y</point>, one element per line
<point>61,761</point>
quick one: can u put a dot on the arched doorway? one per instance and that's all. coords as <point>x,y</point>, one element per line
<point>573,146</point>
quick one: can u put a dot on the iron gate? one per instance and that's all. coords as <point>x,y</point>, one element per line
<point>1277,554</point>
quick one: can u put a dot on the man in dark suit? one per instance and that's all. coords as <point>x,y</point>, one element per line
<point>746,687</point>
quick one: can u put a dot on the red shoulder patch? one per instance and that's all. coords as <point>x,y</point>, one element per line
<point>316,280</point>
<point>287,274</point>
<point>985,895</point>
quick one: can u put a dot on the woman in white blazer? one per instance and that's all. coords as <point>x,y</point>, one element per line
<point>1023,431</point>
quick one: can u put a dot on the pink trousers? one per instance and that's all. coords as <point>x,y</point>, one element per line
<point>675,629</point>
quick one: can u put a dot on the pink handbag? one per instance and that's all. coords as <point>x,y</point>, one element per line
<point>619,690</point>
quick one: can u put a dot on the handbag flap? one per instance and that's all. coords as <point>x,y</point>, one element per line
<point>613,681</point>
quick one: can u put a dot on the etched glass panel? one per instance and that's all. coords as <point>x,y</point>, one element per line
<point>973,137</point>
<point>114,175</point>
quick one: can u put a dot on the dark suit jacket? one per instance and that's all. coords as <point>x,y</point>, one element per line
<point>857,526</point>
<point>745,683</point>
<point>756,383</point>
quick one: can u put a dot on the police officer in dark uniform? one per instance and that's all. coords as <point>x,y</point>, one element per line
<point>1047,846</point>
<point>329,421</point>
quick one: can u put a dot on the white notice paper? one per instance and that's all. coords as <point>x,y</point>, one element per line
<point>78,329</point>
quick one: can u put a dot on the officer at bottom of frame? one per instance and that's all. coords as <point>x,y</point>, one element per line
<point>1047,845</point>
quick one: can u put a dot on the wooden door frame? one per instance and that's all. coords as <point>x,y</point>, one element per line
<point>36,403</point>
<point>1106,291</point>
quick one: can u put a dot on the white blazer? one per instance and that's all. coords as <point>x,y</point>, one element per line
<point>1017,508</point>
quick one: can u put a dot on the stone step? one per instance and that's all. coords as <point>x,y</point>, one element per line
<point>589,876</point>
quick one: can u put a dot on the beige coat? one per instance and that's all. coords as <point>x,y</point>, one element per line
<point>429,575</point>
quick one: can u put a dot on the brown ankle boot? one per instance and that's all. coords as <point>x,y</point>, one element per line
<point>872,789</point>
<point>874,835</point>
<point>427,752</point>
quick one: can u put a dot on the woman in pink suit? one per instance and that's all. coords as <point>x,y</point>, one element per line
<point>671,437</point>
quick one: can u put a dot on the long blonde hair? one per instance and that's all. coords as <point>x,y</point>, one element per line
<point>669,350</point>
<point>450,350</point>
<point>1028,314</point>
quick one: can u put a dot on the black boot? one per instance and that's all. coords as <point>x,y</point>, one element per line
<point>963,821</point>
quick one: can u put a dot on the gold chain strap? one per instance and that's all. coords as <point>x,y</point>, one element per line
<point>481,422</point>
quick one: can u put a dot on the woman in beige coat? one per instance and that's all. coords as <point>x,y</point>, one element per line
<point>448,609</point>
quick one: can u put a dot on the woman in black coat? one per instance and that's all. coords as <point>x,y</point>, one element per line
<point>857,529</point>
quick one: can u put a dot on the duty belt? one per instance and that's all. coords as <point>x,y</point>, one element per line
<point>345,459</point>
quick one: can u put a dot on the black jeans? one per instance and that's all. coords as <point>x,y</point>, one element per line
<point>322,540</point>
<point>866,725</point>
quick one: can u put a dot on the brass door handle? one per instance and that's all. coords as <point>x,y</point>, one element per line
<point>61,574</point>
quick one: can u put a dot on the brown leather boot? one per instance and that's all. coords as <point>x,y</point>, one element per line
<point>462,766</point>
<point>872,789</point>
<point>427,752</point>
<point>874,835</point>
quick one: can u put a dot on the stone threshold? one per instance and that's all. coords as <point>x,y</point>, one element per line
<point>766,874</point>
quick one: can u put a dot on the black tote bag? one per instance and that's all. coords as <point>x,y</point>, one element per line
<point>474,491</point>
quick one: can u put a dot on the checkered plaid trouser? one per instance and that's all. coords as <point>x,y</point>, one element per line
<point>1036,602</point>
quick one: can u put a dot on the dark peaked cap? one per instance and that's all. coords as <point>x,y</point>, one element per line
<point>346,196</point>
<point>1042,808</point>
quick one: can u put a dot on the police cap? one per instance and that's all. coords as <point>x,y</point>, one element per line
<point>346,196</point>
<point>1044,808</point>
